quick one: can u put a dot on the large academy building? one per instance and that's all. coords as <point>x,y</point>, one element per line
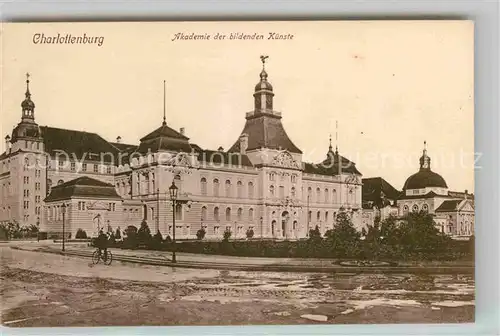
<point>260,183</point>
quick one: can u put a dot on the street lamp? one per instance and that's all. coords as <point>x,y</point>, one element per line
<point>63,209</point>
<point>173,197</point>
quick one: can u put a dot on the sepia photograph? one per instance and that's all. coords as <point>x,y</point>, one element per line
<point>237,173</point>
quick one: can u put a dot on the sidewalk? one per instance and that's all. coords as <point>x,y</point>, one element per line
<point>204,261</point>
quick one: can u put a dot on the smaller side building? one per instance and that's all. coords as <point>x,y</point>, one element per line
<point>456,217</point>
<point>85,203</point>
<point>379,200</point>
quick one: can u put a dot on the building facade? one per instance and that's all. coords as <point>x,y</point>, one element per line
<point>260,183</point>
<point>427,191</point>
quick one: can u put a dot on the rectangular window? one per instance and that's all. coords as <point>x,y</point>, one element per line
<point>108,170</point>
<point>96,168</point>
<point>84,167</point>
<point>73,166</point>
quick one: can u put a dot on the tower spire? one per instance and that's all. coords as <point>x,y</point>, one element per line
<point>164,104</point>
<point>28,94</point>
<point>425,160</point>
<point>330,146</point>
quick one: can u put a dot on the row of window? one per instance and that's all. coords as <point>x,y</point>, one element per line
<point>415,208</point>
<point>62,164</point>
<point>319,217</point>
<point>227,188</point>
<point>272,177</point>
<point>228,214</point>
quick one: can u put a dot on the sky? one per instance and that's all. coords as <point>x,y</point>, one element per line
<point>390,85</point>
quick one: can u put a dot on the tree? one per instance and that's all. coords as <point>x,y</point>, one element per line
<point>200,234</point>
<point>315,234</point>
<point>226,234</point>
<point>158,238</point>
<point>118,235</point>
<point>81,234</point>
<point>144,234</point>
<point>250,233</point>
<point>418,232</point>
<point>343,239</point>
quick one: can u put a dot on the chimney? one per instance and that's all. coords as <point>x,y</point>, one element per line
<point>466,194</point>
<point>182,130</point>
<point>243,143</point>
<point>7,143</point>
<point>118,139</point>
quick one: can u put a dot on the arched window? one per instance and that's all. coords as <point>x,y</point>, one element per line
<point>327,195</point>
<point>216,187</point>
<point>240,214</point>
<point>318,216</point>
<point>216,213</point>
<point>203,182</point>
<point>250,215</point>
<point>271,190</point>
<point>228,188</point>
<point>334,196</point>
<point>228,214</point>
<point>294,178</point>
<point>239,189</point>
<point>250,189</point>
<point>414,208</point>
<point>326,216</point>
<point>309,192</point>
<point>272,176</point>
<point>203,213</point>
<point>60,182</point>
<point>293,192</point>
<point>318,195</point>
<point>309,216</point>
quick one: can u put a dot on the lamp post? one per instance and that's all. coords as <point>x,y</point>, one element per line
<point>173,197</point>
<point>63,209</point>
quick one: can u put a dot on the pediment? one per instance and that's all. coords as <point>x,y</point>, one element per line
<point>285,160</point>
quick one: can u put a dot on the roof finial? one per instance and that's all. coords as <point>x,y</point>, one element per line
<point>28,94</point>
<point>330,146</point>
<point>263,60</point>
<point>164,105</point>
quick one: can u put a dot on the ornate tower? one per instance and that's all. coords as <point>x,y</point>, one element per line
<point>27,135</point>
<point>263,132</point>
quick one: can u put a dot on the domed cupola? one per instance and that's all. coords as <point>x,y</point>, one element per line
<point>425,177</point>
<point>263,96</point>
<point>28,106</point>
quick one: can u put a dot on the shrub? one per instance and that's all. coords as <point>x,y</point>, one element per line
<point>226,234</point>
<point>168,239</point>
<point>81,234</point>
<point>144,234</point>
<point>250,233</point>
<point>200,234</point>
<point>118,235</point>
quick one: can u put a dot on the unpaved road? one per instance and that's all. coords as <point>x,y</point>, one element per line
<point>40,290</point>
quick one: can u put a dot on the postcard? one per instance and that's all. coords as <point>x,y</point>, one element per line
<point>237,173</point>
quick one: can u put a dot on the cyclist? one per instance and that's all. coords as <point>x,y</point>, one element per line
<point>102,245</point>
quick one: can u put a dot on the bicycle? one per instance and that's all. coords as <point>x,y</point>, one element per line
<point>96,257</point>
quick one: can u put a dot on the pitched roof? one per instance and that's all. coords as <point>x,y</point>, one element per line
<point>123,147</point>
<point>164,138</point>
<point>430,194</point>
<point>85,187</point>
<point>266,131</point>
<point>329,167</point>
<point>374,186</point>
<point>449,205</point>
<point>164,131</point>
<point>77,144</point>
